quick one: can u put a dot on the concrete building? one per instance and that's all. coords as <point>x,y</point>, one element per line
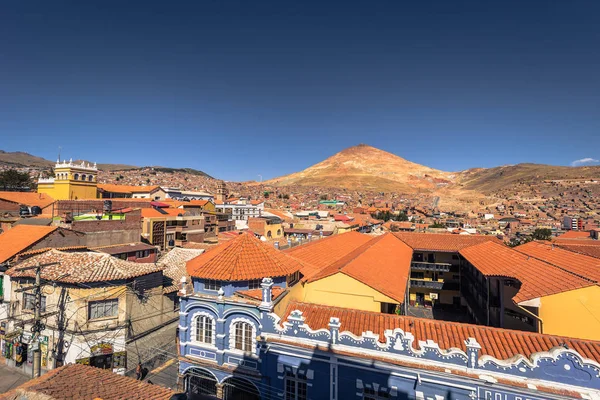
<point>95,308</point>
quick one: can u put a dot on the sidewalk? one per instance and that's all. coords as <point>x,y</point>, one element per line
<point>10,378</point>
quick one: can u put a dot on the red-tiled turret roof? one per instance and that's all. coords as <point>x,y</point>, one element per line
<point>242,258</point>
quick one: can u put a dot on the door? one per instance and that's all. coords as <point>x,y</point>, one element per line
<point>104,361</point>
<point>421,299</point>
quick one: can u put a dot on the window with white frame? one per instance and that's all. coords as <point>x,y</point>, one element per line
<point>243,336</point>
<point>103,308</point>
<point>372,394</point>
<point>212,284</point>
<point>254,284</point>
<point>204,329</point>
<point>295,386</point>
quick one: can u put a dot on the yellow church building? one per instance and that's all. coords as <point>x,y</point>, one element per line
<point>71,181</point>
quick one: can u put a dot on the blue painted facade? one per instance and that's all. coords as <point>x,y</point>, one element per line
<point>331,364</point>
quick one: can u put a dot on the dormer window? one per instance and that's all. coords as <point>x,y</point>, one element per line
<point>293,278</point>
<point>212,284</point>
<point>254,284</point>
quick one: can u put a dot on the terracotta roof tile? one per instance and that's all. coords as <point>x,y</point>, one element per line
<point>578,264</point>
<point>168,212</point>
<point>83,267</point>
<point>383,263</point>
<point>496,342</point>
<point>30,199</point>
<point>175,266</point>
<point>538,278</point>
<point>442,241</point>
<point>591,251</point>
<point>82,382</point>
<point>242,258</point>
<point>575,235</point>
<point>20,238</point>
<point>323,252</point>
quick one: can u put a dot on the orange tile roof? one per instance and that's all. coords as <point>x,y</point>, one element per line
<point>256,294</point>
<point>82,382</point>
<point>20,238</point>
<point>326,251</point>
<point>153,213</point>
<point>592,250</point>
<point>28,198</point>
<point>496,342</point>
<point>383,263</point>
<point>83,267</point>
<point>242,258</point>
<point>581,265</point>
<point>109,187</point>
<point>538,278</point>
<point>442,241</point>
<point>584,242</point>
<point>575,235</point>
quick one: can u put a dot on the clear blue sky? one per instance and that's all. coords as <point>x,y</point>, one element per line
<point>241,88</point>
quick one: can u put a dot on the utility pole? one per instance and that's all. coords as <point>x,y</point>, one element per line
<point>38,326</point>
<point>37,354</point>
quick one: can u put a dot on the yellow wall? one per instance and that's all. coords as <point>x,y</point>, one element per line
<point>575,313</point>
<point>274,228</point>
<point>340,290</point>
<point>69,188</point>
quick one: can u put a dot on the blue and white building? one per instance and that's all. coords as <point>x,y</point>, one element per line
<point>232,345</point>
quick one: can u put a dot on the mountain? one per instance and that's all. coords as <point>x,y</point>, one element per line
<point>21,159</point>
<point>367,168</point>
<point>488,180</point>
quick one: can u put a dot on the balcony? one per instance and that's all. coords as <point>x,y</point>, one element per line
<point>427,266</point>
<point>429,284</point>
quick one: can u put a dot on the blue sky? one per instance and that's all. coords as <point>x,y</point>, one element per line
<point>241,88</point>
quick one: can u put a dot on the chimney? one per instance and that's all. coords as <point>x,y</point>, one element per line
<point>277,245</point>
<point>183,285</point>
<point>267,295</point>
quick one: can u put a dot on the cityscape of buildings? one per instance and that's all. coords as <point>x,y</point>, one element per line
<point>220,290</point>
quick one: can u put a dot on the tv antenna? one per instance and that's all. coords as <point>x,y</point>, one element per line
<point>260,178</point>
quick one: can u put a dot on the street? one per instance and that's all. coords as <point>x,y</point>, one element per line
<point>10,378</point>
<point>164,375</point>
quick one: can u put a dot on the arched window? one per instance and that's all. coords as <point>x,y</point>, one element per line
<point>203,329</point>
<point>269,234</point>
<point>83,177</point>
<point>278,232</point>
<point>76,177</point>
<point>90,178</point>
<point>242,336</point>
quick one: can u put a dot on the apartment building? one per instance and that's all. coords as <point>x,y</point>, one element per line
<point>95,310</point>
<point>170,227</point>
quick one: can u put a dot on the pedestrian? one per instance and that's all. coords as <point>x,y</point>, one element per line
<point>138,371</point>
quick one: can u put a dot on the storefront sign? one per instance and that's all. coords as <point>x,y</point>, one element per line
<point>490,394</point>
<point>101,349</point>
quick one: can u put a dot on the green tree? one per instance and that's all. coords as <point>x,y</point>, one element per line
<point>401,216</point>
<point>542,234</point>
<point>437,225</point>
<point>11,179</point>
